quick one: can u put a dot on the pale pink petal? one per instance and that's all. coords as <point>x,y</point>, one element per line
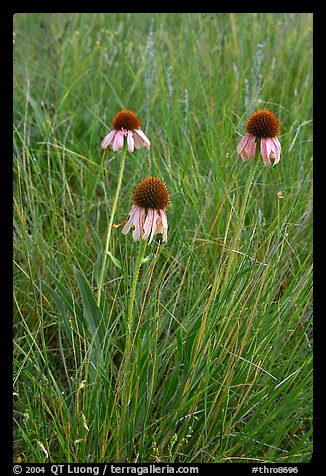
<point>138,222</point>
<point>130,141</point>
<point>265,150</point>
<point>251,147</point>
<point>156,223</point>
<point>269,142</point>
<point>118,141</point>
<point>243,143</point>
<point>108,138</point>
<point>130,222</point>
<point>278,144</point>
<point>127,226</point>
<point>159,226</point>
<point>144,140</point>
<point>276,150</point>
<point>164,225</point>
<point>136,140</point>
<point>148,223</point>
<point>244,155</point>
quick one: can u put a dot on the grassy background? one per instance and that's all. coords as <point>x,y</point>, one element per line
<point>222,356</point>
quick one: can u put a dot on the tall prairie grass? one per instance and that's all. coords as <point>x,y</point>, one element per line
<point>220,368</point>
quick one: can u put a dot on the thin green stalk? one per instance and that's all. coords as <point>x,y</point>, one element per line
<point>139,262</point>
<point>127,376</point>
<point>107,243</point>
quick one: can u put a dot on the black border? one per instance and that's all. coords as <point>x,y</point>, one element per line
<point>6,237</point>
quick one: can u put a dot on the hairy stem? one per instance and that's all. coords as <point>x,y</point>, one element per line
<point>138,264</point>
<point>108,235</point>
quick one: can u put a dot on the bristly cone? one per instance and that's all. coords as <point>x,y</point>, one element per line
<point>151,193</point>
<point>263,123</point>
<point>126,119</point>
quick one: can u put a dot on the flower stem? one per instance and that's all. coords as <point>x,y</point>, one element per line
<point>107,243</point>
<point>127,374</point>
<point>139,262</point>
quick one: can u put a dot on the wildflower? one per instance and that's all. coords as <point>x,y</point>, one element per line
<point>151,196</point>
<point>126,124</point>
<point>264,127</point>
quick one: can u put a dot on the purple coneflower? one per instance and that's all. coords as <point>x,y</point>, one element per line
<point>126,124</point>
<point>264,127</point>
<point>151,196</point>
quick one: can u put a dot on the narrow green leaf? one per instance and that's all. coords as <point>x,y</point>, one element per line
<point>147,258</point>
<point>115,261</point>
<point>61,306</point>
<point>66,297</point>
<point>92,313</point>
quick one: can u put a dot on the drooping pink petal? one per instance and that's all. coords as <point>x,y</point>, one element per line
<point>136,140</point>
<point>269,142</point>
<point>118,141</point>
<point>156,223</point>
<point>244,155</point>
<point>276,150</point>
<point>148,223</point>
<point>265,148</point>
<point>144,140</point>
<point>278,144</point>
<point>159,226</point>
<point>130,222</point>
<point>164,225</point>
<point>138,223</point>
<point>108,138</point>
<point>130,141</point>
<point>243,143</point>
<point>251,147</point>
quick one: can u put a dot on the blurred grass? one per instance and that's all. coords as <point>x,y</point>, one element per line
<point>223,351</point>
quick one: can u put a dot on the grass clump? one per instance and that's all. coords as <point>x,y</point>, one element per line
<point>220,367</point>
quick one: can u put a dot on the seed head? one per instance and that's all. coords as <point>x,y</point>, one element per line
<point>126,119</point>
<point>151,193</point>
<point>263,123</point>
